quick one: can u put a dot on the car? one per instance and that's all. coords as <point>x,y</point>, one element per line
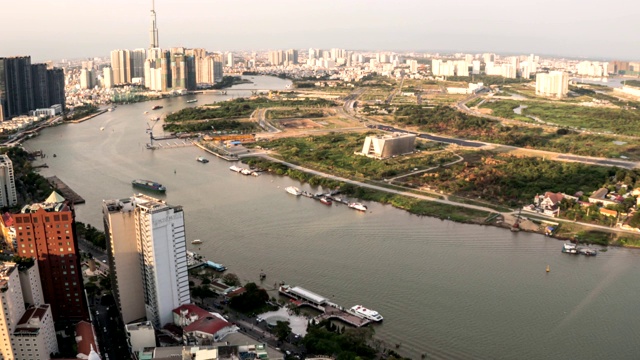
<point>105,329</point>
<point>104,261</point>
<point>288,352</point>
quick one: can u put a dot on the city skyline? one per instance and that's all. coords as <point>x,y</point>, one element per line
<point>87,30</point>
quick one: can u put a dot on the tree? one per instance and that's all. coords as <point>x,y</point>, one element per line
<point>282,330</point>
<point>231,279</point>
<point>635,220</point>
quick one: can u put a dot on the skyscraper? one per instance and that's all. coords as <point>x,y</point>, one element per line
<point>8,195</point>
<point>147,256</point>
<point>46,232</point>
<point>138,56</point>
<point>153,32</point>
<point>16,87</point>
<point>107,77</point>
<point>55,81</point>
<point>40,86</point>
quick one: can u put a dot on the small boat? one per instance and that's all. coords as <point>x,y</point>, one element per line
<point>569,248</point>
<point>588,252</point>
<point>307,194</point>
<point>156,107</point>
<point>245,172</point>
<point>196,242</point>
<point>262,276</point>
<point>358,206</point>
<point>149,185</point>
<point>293,190</point>
<point>548,268</point>
<point>202,159</point>
<point>325,201</point>
<point>235,168</point>
<point>102,128</point>
<point>111,109</point>
<point>192,101</point>
<point>256,173</point>
<point>146,112</point>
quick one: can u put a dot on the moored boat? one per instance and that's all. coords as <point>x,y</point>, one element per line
<point>156,107</point>
<point>202,159</point>
<point>192,101</point>
<point>307,194</point>
<point>149,185</point>
<point>293,190</point>
<point>358,206</point>
<point>235,168</point>
<point>569,248</point>
<point>588,252</point>
<point>196,242</point>
<point>364,313</point>
<point>325,201</point>
<point>245,172</point>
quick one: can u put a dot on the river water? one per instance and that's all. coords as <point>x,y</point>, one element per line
<point>447,290</point>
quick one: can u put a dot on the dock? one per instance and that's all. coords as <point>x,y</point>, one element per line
<point>330,311</point>
<point>65,190</point>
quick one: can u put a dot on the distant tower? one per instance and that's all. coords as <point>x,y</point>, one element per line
<point>153,33</point>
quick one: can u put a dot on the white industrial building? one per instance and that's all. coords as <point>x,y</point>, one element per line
<point>385,146</point>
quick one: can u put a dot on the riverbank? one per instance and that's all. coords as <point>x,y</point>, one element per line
<point>422,205</point>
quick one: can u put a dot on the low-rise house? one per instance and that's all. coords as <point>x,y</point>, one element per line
<point>608,212</point>
<point>600,197</point>
<point>201,327</point>
<point>548,203</point>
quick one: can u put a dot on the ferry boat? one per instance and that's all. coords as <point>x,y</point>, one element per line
<point>149,185</point>
<point>156,107</point>
<point>192,101</point>
<point>235,168</point>
<point>364,313</point>
<point>358,206</point>
<point>196,242</point>
<point>293,190</point>
<point>569,248</point>
<point>216,266</point>
<point>202,159</point>
<point>325,201</point>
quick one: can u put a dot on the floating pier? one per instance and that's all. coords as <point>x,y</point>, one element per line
<point>65,190</point>
<point>303,297</point>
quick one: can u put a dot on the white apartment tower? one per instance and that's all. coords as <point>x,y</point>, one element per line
<point>156,268</point>
<point>553,84</point>
<point>24,333</point>
<point>107,77</point>
<point>8,196</point>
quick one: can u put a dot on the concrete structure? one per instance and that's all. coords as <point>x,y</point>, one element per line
<point>107,77</point>
<point>553,84</point>
<point>140,335</point>
<point>24,333</point>
<point>121,65</point>
<point>34,337</point>
<point>8,195</point>
<point>154,41</point>
<point>385,146</point>
<point>157,229</point>
<point>46,232</point>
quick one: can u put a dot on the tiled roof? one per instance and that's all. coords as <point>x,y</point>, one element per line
<point>209,325</point>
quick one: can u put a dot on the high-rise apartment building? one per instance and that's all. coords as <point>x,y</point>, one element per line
<point>46,232</point>
<point>40,86</point>
<point>121,65</point>
<point>291,57</point>
<point>25,333</point>
<point>55,79</point>
<point>107,77</point>
<point>138,57</point>
<point>8,195</point>
<point>554,84</point>
<point>86,79</point>
<point>276,57</point>
<point>147,256</point>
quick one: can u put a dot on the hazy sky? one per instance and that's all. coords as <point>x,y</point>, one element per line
<point>47,29</point>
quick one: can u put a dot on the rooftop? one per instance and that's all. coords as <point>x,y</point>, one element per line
<point>145,325</point>
<point>191,309</point>
<point>31,321</point>
<point>54,203</point>
<point>85,337</point>
<point>209,325</point>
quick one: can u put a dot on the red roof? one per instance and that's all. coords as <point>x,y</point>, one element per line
<point>192,309</point>
<point>84,337</point>
<point>236,292</point>
<point>7,219</point>
<point>209,325</point>
<point>555,197</point>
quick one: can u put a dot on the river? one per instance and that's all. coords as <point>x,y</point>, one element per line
<point>447,290</point>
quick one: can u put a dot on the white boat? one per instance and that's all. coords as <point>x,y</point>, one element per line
<point>364,313</point>
<point>358,206</point>
<point>569,248</point>
<point>246,172</point>
<point>293,190</point>
<point>202,159</point>
<point>235,168</point>
<point>196,242</point>
<point>102,128</point>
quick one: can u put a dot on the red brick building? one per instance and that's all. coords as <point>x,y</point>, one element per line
<point>46,232</point>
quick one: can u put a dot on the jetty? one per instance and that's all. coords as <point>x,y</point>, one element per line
<point>65,190</point>
<point>302,297</point>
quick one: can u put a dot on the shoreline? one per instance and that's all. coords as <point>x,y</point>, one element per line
<point>441,213</point>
